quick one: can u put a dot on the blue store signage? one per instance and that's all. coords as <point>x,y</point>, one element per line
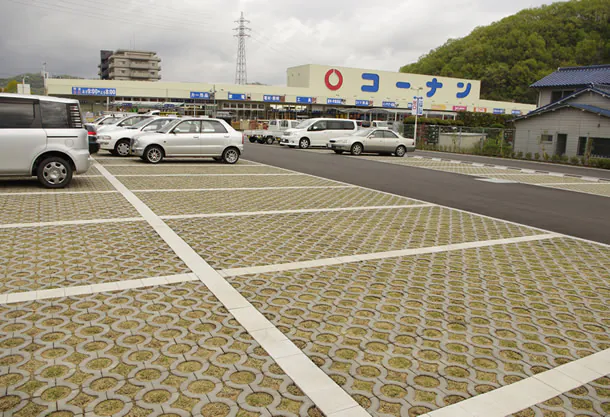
<point>200,94</point>
<point>365,103</point>
<point>334,101</point>
<point>86,91</point>
<point>272,99</point>
<point>389,104</point>
<point>233,96</point>
<point>499,111</point>
<point>304,100</point>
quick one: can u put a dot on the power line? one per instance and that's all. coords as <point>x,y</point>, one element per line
<point>241,74</point>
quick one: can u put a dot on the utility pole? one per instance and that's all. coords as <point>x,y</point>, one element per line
<point>44,77</point>
<point>241,75</point>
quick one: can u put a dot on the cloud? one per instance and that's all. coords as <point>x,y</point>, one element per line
<point>195,38</point>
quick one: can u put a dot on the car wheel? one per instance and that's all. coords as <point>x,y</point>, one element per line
<point>400,151</point>
<point>356,149</point>
<point>270,140</point>
<point>338,152</point>
<point>252,139</point>
<point>260,140</point>
<point>122,148</point>
<point>304,143</point>
<point>54,172</point>
<point>113,152</point>
<point>153,154</point>
<point>230,155</point>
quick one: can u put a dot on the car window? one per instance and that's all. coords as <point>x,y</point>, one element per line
<point>334,125</point>
<point>362,133</point>
<point>54,115</point>
<point>347,125</point>
<point>388,134</point>
<point>18,115</point>
<point>273,123</point>
<point>319,125</point>
<point>188,126</point>
<point>142,123</point>
<point>377,134</point>
<point>284,123</point>
<point>304,124</point>
<point>109,121</point>
<point>212,126</point>
<point>128,122</point>
<point>153,126</point>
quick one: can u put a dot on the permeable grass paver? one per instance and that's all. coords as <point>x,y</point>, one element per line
<point>35,258</point>
<point>602,189</point>
<point>175,203</point>
<point>408,335</point>
<point>30,185</point>
<point>172,346</point>
<point>270,239</point>
<point>145,169</point>
<point>160,183</point>
<point>62,207</point>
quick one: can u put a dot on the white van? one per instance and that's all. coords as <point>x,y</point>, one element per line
<point>42,136</point>
<point>317,132</point>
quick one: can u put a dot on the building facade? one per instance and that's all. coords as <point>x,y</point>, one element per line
<point>125,65</point>
<point>312,90</point>
<point>574,108</point>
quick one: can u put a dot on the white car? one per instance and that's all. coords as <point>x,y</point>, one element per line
<point>189,137</point>
<point>380,140</point>
<point>122,123</point>
<point>117,142</point>
<point>317,132</point>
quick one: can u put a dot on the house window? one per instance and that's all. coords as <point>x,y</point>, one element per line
<point>600,147</point>
<point>559,94</point>
<point>546,138</point>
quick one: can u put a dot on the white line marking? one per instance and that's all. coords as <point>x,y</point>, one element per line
<point>173,190</point>
<point>269,212</point>
<point>60,192</point>
<point>318,386</point>
<point>381,255</point>
<point>563,183</point>
<point>206,175</point>
<point>71,222</point>
<point>187,164</point>
<point>528,392</point>
<point>16,297</point>
<point>497,181</point>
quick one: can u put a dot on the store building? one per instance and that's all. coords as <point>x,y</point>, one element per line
<point>312,90</point>
<point>574,106</point>
<point>127,65</point>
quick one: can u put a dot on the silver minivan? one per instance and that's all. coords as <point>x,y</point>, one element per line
<point>44,137</point>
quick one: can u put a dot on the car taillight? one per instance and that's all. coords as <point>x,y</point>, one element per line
<point>91,133</point>
<point>243,138</point>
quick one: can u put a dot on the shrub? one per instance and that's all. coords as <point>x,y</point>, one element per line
<point>537,156</point>
<point>555,158</point>
<point>545,156</point>
<point>520,155</point>
<point>603,163</point>
<point>574,160</point>
<point>583,160</point>
<point>564,158</point>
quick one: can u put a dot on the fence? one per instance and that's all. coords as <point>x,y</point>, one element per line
<point>460,139</point>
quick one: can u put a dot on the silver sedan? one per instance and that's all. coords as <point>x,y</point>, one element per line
<point>382,141</point>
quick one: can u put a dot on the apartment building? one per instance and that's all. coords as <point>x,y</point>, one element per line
<point>127,65</point>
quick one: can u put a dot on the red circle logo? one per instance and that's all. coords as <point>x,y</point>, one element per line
<point>333,87</point>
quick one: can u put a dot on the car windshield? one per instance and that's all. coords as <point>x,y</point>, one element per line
<point>141,124</point>
<point>109,121</point>
<point>304,124</point>
<point>169,126</point>
<point>383,124</point>
<point>363,132</point>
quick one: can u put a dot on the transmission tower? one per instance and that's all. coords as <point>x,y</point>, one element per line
<point>241,75</point>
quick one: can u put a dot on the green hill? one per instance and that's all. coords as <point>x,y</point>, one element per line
<point>509,55</point>
<point>34,79</point>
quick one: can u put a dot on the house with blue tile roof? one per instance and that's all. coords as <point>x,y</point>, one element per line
<point>573,107</point>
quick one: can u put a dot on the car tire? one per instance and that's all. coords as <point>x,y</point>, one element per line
<point>304,143</point>
<point>54,172</point>
<point>400,151</point>
<point>356,149</point>
<point>252,139</point>
<point>113,153</point>
<point>230,156</point>
<point>153,154</point>
<point>261,140</point>
<point>217,158</point>
<point>338,152</point>
<point>270,140</point>
<point>122,148</point>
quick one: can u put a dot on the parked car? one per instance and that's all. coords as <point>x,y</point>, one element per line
<point>274,130</point>
<point>380,140</point>
<point>189,137</point>
<point>43,137</point>
<point>122,123</point>
<point>108,119</point>
<point>94,146</point>
<point>117,142</point>
<point>317,132</point>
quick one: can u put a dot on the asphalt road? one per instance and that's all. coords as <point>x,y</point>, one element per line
<point>539,166</point>
<point>576,214</point>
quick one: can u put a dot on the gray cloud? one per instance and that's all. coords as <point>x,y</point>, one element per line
<point>195,40</point>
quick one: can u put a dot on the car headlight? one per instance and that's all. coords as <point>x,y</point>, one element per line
<point>104,137</point>
<point>287,133</point>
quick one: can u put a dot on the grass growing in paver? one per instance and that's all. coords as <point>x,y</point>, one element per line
<point>602,189</point>
<point>144,169</point>
<point>160,183</point>
<point>537,179</point>
<point>271,239</point>
<point>108,160</point>
<point>408,335</point>
<point>592,399</point>
<point>135,350</point>
<point>34,258</point>
<point>30,184</point>
<point>270,199</point>
<point>60,207</point>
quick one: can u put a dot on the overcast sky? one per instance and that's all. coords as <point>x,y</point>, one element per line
<point>194,38</point>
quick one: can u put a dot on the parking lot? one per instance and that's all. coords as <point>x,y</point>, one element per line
<point>196,288</point>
